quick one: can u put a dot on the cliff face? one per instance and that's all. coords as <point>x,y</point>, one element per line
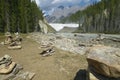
<point>45,27</point>
<point>61,12</point>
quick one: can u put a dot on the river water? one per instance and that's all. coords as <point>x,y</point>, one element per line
<point>59,26</point>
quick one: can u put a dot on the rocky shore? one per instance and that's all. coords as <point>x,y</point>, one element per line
<point>71,56</point>
<point>101,51</point>
<point>75,43</point>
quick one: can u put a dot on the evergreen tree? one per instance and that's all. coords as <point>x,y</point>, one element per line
<point>19,15</point>
<point>101,17</point>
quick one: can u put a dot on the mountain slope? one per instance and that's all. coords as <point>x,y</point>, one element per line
<point>61,12</point>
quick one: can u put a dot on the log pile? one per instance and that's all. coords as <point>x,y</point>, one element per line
<point>13,42</point>
<point>10,70</point>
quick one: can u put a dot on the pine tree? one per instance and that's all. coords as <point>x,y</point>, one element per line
<point>19,15</point>
<point>100,17</point>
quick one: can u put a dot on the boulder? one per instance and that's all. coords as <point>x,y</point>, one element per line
<point>104,60</point>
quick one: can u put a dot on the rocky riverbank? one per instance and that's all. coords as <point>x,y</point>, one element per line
<point>75,43</point>
<point>66,63</point>
<point>101,51</point>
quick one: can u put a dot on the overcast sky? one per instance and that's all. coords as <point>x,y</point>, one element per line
<point>48,4</point>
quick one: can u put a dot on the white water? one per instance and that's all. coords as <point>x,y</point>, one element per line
<point>59,26</point>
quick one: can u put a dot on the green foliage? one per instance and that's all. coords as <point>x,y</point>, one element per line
<point>19,15</point>
<point>101,17</point>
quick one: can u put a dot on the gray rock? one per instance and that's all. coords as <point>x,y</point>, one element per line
<point>104,60</point>
<point>43,27</point>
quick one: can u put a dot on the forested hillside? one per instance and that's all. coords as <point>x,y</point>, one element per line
<point>101,17</point>
<point>19,15</point>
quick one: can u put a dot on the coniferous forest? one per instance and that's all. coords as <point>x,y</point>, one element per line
<point>19,16</point>
<point>101,17</point>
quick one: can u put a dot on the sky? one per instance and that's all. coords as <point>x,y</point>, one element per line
<point>49,4</point>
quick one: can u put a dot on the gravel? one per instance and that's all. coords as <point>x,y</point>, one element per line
<point>72,41</point>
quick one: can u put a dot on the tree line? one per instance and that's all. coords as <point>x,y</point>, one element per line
<point>19,16</point>
<point>101,17</point>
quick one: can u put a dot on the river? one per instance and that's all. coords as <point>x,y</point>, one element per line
<point>59,26</point>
